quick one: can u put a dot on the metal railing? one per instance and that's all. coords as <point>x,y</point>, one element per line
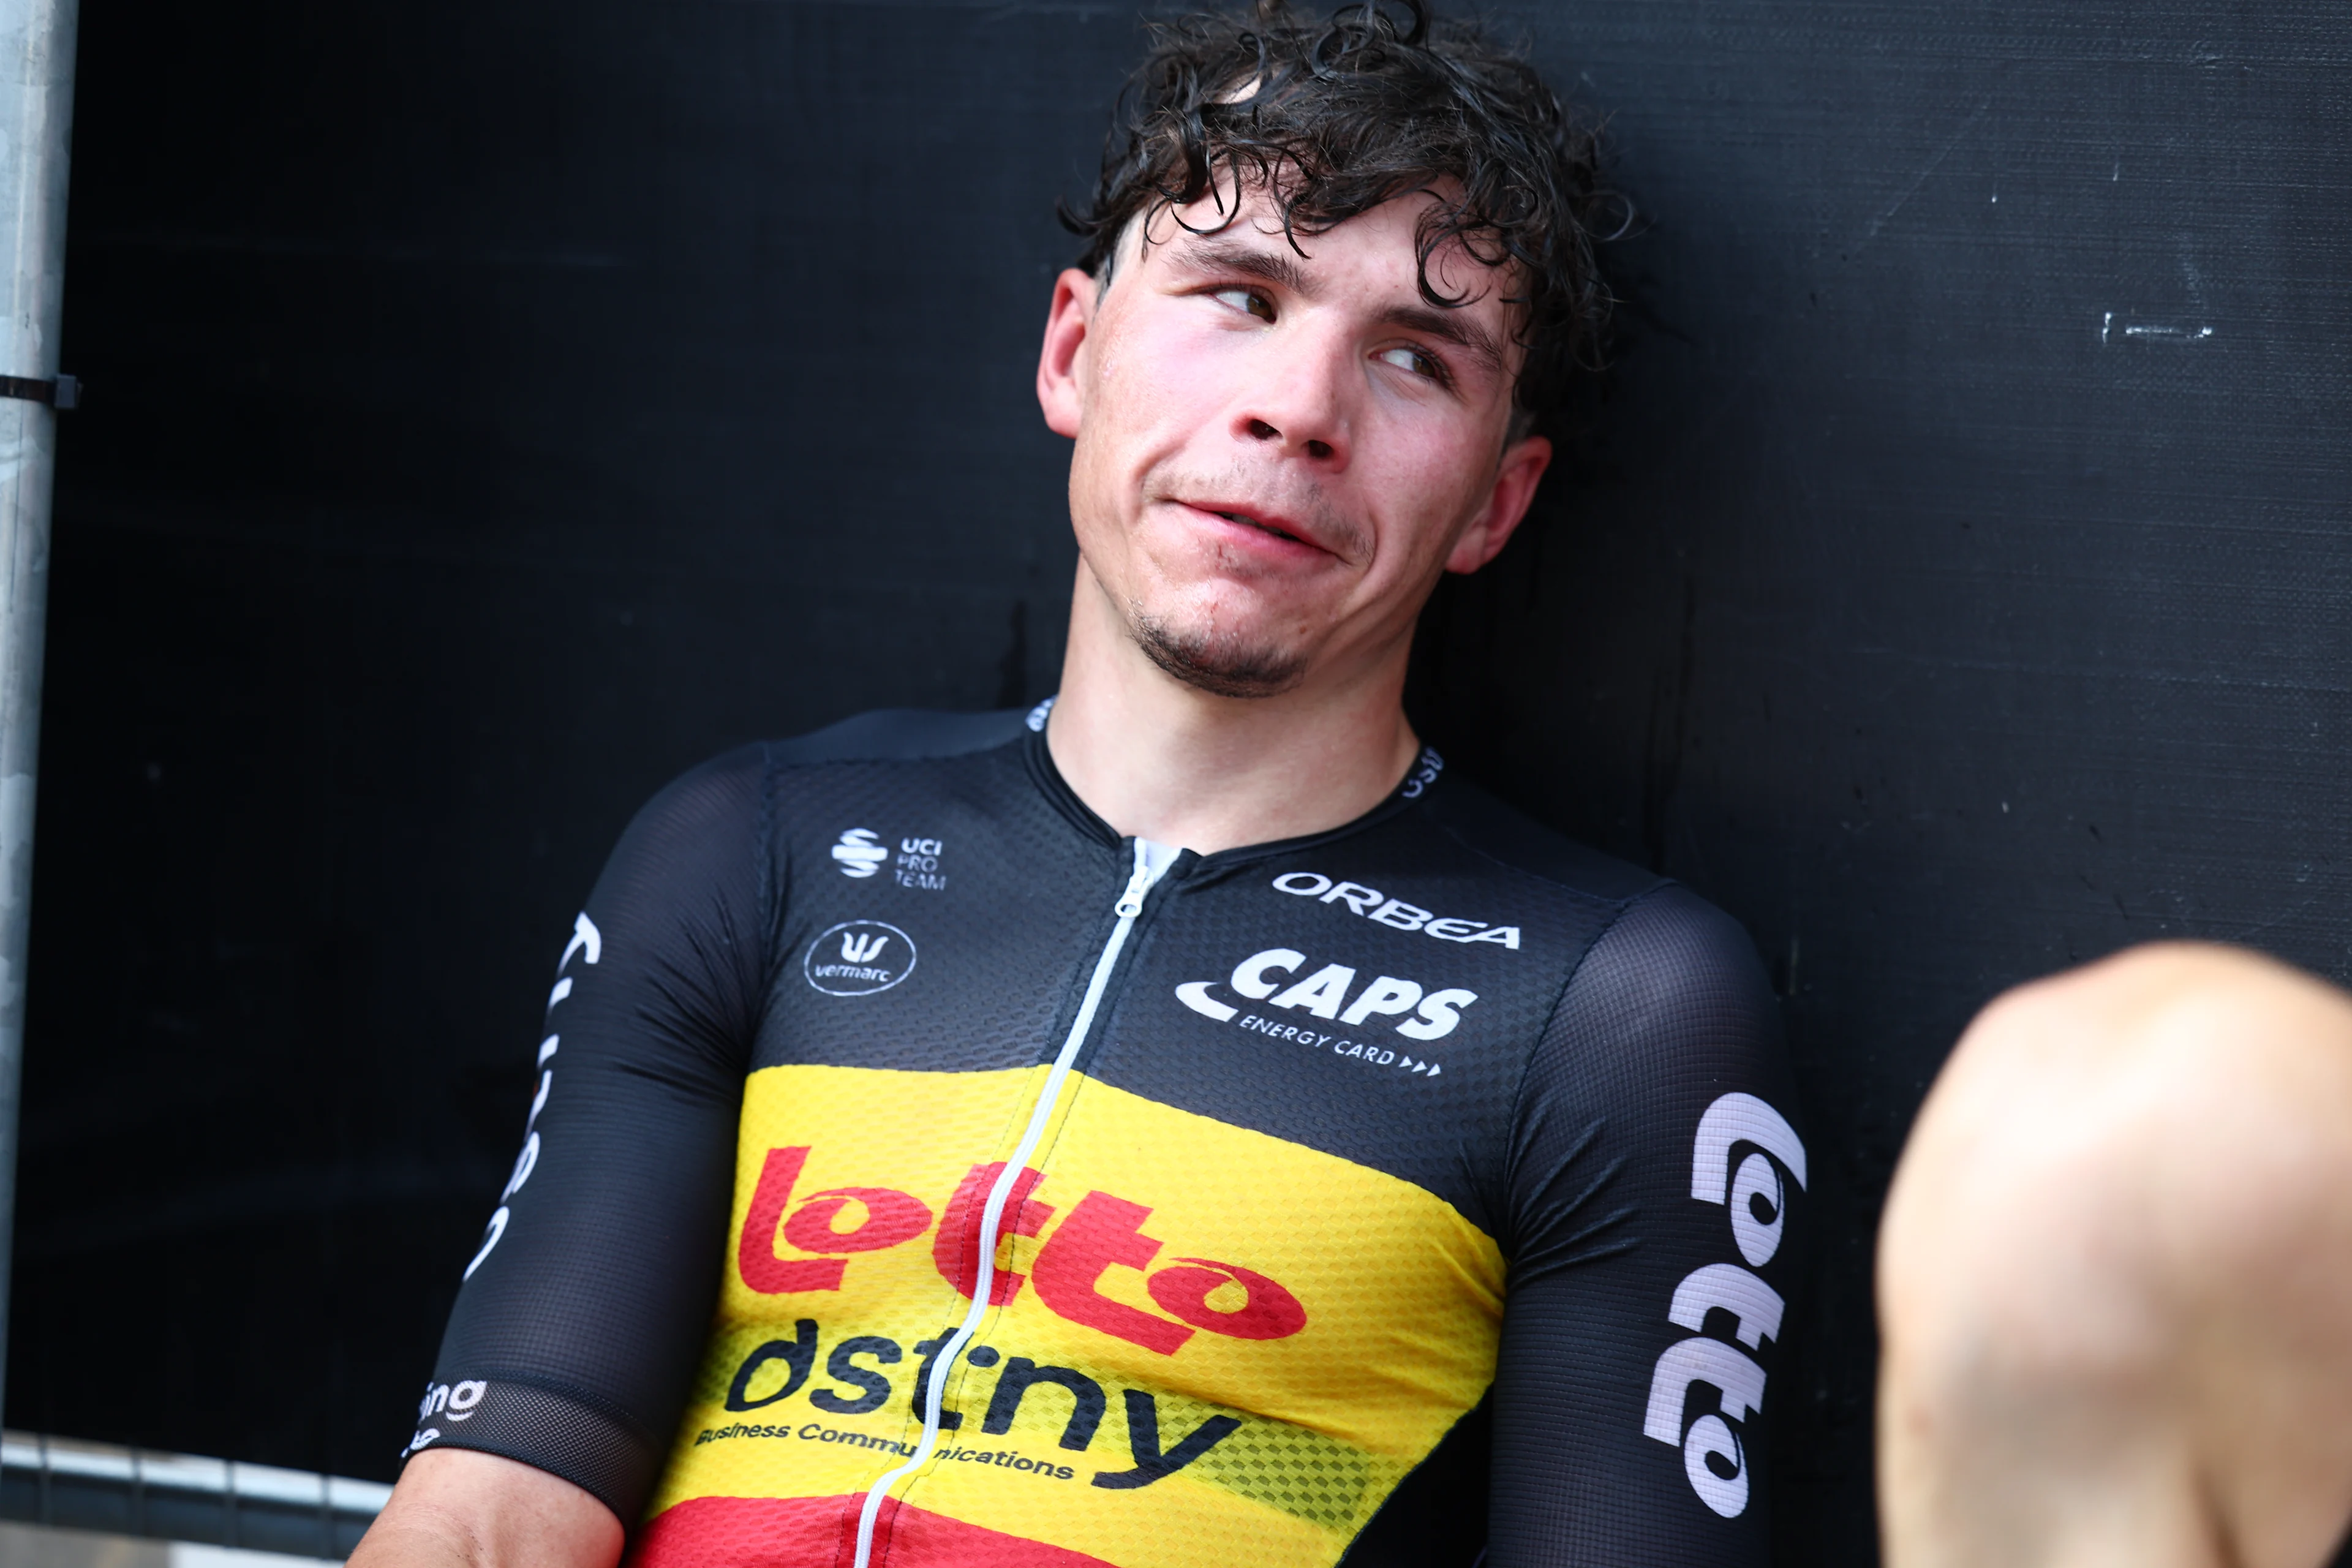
<point>183,1497</point>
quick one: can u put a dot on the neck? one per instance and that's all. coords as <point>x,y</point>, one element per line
<point>1158,759</point>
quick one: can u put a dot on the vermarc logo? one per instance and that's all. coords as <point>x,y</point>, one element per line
<point>860,853</point>
<point>857,957</point>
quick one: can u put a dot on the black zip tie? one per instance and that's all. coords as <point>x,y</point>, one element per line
<point>61,393</point>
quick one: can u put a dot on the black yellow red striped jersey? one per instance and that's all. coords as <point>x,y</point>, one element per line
<point>919,1174</point>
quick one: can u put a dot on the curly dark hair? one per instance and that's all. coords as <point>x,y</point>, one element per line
<point>1334,119</point>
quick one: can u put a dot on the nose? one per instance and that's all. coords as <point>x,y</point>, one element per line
<point>1300,408</point>
<point>1315,447</point>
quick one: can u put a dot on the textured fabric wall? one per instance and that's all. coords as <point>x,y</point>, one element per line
<point>498,407</point>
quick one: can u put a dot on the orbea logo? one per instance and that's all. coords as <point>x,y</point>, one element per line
<point>860,853</point>
<point>1394,913</point>
<point>1100,1233</point>
<point>857,957</point>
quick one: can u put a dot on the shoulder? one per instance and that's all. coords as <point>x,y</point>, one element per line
<point>1511,839</point>
<point>1672,950</point>
<point>1658,948</point>
<point>737,784</point>
<point>904,735</point>
<point>725,803</point>
<point>1674,994</point>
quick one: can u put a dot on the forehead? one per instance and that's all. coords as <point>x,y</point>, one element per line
<point>1381,243</point>
<point>1371,262</point>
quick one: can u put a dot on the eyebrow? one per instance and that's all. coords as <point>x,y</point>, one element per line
<point>1214,255</point>
<point>1450,326</point>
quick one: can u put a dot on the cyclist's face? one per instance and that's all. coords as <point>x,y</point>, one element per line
<point>1278,454</point>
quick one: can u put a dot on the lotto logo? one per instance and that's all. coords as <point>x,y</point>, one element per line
<point>1714,1459</point>
<point>1098,1232</point>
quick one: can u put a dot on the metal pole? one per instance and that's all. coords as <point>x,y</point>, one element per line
<point>36,64</point>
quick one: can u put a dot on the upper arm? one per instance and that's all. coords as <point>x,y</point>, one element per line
<point>573,1340</point>
<point>1643,1317</point>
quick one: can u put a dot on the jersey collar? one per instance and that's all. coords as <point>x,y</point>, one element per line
<point>1421,779</point>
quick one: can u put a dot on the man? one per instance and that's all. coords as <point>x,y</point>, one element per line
<point>2115,1276</point>
<point>1183,1124</point>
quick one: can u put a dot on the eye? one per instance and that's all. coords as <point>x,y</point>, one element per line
<point>1405,357</point>
<point>1248,300</point>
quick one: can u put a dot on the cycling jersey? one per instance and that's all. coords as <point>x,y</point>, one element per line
<point>920,1173</point>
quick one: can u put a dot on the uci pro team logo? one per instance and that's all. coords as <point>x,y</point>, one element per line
<point>860,853</point>
<point>857,957</point>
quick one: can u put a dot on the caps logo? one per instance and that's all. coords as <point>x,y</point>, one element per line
<point>857,957</point>
<point>1430,1014</point>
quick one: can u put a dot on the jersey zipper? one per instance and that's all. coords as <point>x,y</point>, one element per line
<point>1130,907</point>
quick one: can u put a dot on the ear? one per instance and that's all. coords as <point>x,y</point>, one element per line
<point>1059,391</point>
<point>1523,467</point>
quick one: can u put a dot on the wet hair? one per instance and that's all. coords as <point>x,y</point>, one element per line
<point>1335,117</point>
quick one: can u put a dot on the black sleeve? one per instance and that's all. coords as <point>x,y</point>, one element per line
<point>574,1338</point>
<point>1652,1169</point>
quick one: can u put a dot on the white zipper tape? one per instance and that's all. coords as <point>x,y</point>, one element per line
<point>1150,859</point>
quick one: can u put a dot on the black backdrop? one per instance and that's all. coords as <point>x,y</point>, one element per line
<point>500,405</point>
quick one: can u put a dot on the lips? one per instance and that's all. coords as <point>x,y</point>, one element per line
<point>1272,525</point>
<point>1247,521</point>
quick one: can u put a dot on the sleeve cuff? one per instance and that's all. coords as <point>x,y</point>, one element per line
<point>560,1431</point>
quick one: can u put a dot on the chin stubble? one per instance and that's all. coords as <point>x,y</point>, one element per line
<point>1221,666</point>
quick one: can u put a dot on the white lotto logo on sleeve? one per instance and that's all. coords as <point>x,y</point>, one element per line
<point>1714,1457</point>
